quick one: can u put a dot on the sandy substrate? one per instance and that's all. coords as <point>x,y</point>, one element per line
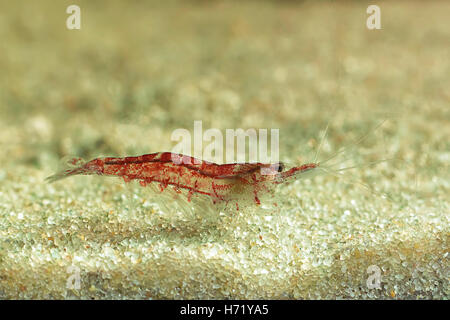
<point>131,76</point>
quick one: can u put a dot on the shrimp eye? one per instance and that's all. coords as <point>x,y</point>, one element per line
<point>280,167</point>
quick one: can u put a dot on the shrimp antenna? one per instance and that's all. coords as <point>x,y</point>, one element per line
<point>368,164</point>
<point>321,142</point>
<point>374,163</point>
<point>352,145</point>
<point>366,186</point>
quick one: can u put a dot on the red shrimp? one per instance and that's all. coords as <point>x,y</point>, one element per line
<point>221,182</point>
<point>236,182</point>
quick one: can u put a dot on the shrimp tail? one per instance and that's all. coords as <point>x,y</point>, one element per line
<point>64,174</point>
<point>70,167</point>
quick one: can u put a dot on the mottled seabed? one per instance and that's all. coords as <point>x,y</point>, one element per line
<point>132,75</point>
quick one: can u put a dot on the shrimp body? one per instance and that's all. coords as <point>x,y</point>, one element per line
<point>221,182</point>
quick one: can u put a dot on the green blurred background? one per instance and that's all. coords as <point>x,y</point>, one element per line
<point>137,70</point>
